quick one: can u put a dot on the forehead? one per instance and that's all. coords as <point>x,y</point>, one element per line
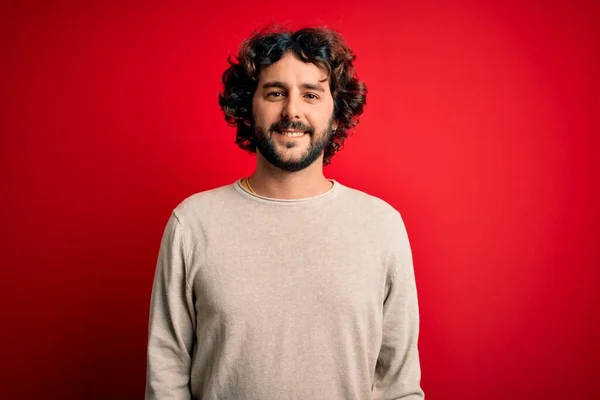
<point>294,72</point>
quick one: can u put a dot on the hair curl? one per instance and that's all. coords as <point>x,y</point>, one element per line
<point>321,46</point>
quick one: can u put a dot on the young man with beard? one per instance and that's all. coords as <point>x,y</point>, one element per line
<point>286,284</point>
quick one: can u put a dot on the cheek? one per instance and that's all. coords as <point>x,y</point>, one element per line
<point>320,120</point>
<point>263,113</point>
<point>255,108</point>
<point>321,116</point>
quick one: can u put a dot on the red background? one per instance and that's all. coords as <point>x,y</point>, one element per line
<point>482,128</point>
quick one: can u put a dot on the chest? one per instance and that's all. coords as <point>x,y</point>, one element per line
<point>274,273</point>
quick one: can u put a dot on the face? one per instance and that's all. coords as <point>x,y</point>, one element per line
<point>293,113</point>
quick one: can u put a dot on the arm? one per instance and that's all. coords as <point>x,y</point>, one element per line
<point>398,371</point>
<point>172,321</point>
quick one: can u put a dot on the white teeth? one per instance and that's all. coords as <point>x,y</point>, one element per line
<point>292,134</point>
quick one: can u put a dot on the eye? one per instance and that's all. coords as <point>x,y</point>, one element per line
<point>275,94</point>
<point>311,96</point>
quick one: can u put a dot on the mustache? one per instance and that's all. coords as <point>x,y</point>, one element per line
<point>291,125</point>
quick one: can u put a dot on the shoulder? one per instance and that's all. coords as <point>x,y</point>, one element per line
<point>376,217</point>
<point>382,222</point>
<point>210,201</point>
<point>370,206</point>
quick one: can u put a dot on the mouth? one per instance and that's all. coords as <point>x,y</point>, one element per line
<point>291,133</point>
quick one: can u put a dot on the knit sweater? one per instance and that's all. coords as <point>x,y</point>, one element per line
<point>267,299</point>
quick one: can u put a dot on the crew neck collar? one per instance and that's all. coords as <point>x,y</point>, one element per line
<point>335,187</point>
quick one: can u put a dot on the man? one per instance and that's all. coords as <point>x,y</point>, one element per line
<point>286,285</point>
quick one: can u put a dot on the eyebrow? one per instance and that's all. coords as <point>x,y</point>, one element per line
<point>281,85</point>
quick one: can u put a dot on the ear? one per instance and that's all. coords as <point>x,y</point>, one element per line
<point>247,122</point>
<point>334,126</point>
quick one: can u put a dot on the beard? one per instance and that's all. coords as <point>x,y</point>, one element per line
<point>268,148</point>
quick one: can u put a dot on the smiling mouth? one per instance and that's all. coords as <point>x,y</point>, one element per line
<point>291,134</point>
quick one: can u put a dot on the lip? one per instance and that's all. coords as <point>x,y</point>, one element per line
<point>285,132</point>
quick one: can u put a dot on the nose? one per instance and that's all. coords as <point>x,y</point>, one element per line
<point>291,108</point>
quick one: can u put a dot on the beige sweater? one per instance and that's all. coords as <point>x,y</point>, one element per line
<point>265,299</point>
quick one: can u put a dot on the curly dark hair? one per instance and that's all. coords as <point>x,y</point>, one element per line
<point>318,45</point>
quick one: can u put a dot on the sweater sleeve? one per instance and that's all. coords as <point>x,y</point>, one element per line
<point>172,321</point>
<point>398,371</point>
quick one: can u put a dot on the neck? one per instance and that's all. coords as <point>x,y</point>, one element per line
<point>272,182</point>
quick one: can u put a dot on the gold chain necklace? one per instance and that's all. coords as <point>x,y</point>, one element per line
<point>247,181</point>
